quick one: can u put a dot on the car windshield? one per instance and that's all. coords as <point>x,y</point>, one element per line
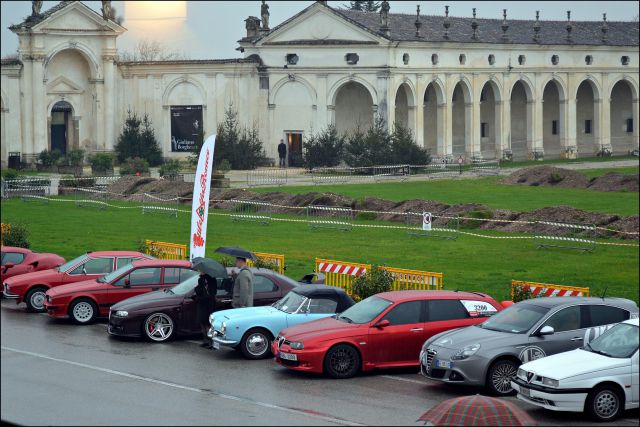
<point>67,265</point>
<point>183,288</point>
<point>517,319</point>
<point>364,311</point>
<point>290,303</point>
<point>621,341</point>
<point>110,277</point>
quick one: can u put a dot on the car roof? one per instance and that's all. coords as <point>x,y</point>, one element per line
<point>550,302</point>
<point>635,321</point>
<point>310,290</point>
<point>398,296</point>
<point>141,263</point>
<point>15,249</point>
<point>97,254</point>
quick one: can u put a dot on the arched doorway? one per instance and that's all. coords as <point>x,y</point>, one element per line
<point>552,122</point>
<point>461,119</point>
<point>432,117</point>
<point>585,120</point>
<point>489,121</point>
<point>353,108</point>
<point>621,122</point>
<point>520,121</point>
<point>404,107</point>
<point>61,130</point>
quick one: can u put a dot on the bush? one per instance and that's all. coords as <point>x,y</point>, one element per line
<point>355,149</point>
<point>324,148</point>
<point>406,150</point>
<point>138,139</point>
<point>75,157</point>
<point>49,158</point>
<point>521,293</point>
<point>263,263</point>
<point>479,215</point>
<point>372,282</point>
<point>10,173</point>
<point>170,167</point>
<point>369,148</point>
<point>224,166</point>
<point>133,166</point>
<point>101,162</point>
<point>16,235</point>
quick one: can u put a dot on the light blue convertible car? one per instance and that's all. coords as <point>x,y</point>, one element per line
<point>252,329</point>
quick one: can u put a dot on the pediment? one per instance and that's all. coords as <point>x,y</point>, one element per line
<point>63,85</point>
<point>78,17</point>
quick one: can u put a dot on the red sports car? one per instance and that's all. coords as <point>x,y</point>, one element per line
<point>84,301</point>
<point>386,330</point>
<point>20,261</point>
<point>30,287</point>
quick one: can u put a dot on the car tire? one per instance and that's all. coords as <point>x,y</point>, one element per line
<point>83,311</point>
<point>604,403</point>
<point>256,344</point>
<point>342,361</point>
<point>35,299</point>
<point>499,377</point>
<point>158,327</point>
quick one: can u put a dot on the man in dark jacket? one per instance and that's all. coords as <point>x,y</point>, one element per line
<point>282,153</point>
<point>205,297</point>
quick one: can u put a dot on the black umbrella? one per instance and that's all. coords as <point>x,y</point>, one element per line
<point>236,252</point>
<point>210,267</point>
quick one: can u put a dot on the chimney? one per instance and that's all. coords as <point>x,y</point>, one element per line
<point>604,28</point>
<point>505,26</point>
<point>252,24</point>
<point>446,24</point>
<point>474,25</point>
<point>569,27</point>
<point>418,23</point>
<point>536,27</point>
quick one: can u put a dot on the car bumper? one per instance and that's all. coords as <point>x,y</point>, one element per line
<point>124,326</point>
<point>55,310</point>
<point>438,366</point>
<point>568,400</point>
<point>217,337</point>
<point>298,360</point>
<point>7,293</point>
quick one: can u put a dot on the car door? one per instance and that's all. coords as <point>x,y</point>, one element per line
<point>224,294</point>
<point>92,268</point>
<point>138,281</point>
<point>446,314</point>
<point>635,378</point>
<point>15,258</point>
<point>568,324</point>
<point>399,342</point>
<point>265,290</point>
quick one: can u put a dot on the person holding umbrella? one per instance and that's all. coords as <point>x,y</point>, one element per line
<point>243,285</point>
<point>205,292</point>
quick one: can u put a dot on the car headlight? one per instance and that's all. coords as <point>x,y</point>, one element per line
<point>121,313</point>
<point>211,320</point>
<point>466,352</point>
<point>223,328</point>
<point>297,345</point>
<point>550,382</point>
<point>521,373</point>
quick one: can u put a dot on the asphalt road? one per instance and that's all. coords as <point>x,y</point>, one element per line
<point>54,373</point>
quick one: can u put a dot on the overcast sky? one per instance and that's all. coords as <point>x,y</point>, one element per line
<point>211,29</point>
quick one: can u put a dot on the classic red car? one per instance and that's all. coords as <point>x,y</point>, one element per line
<point>386,330</point>
<point>84,301</point>
<point>30,287</point>
<point>20,261</point>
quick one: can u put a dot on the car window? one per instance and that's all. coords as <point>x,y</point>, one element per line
<point>12,257</point>
<point>322,305</point>
<point>175,275</point>
<point>142,276</point>
<point>567,319</point>
<point>263,284</point>
<point>120,262</point>
<point>479,308</point>
<point>605,315</point>
<point>95,266</point>
<point>405,313</point>
<point>446,309</point>
<point>620,341</point>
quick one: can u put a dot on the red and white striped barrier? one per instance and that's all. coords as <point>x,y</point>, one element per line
<point>341,269</point>
<point>548,290</point>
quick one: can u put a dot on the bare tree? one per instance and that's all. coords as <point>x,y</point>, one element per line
<point>151,50</point>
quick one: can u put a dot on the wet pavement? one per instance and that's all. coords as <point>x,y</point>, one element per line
<point>54,372</point>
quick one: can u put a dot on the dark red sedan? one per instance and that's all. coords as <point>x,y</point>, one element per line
<point>84,301</point>
<point>30,287</point>
<point>17,261</point>
<point>386,330</point>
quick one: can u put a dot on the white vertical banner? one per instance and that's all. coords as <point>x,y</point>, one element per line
<point>200,205</point>
<point>426,221</point>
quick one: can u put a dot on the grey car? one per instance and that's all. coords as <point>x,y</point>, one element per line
<point>489,354</point>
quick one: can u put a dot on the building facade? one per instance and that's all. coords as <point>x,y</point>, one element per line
<point>479,88</point>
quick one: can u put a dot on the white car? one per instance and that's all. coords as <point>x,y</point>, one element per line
<point>600,378</point>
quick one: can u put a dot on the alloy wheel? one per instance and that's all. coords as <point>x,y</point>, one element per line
<point>501,377</point>
<point>83,311</point>
<point>606,404</point>
<point>37,300</point>
<point>342,361</point>
<point>158,327</point>
<point>257,344</point>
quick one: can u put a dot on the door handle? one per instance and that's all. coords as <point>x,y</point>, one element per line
<point>416,329</point>
<point>576,339</point>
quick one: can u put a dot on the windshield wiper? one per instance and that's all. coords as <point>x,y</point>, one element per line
<point>100,280</point>
<point>346,319</point>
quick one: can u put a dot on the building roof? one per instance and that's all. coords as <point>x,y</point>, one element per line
<point>249,60</point>
<point>10,61</point>
<point>31,21</point>
<point>402,28</point>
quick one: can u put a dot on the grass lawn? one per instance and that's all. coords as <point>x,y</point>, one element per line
<point>487,191</point>
<point>468,263</point>
<point>560,162</point>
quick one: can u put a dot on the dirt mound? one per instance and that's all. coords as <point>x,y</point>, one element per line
<point>614,181</point>
<point>128,184</point>
<point>547,176</point>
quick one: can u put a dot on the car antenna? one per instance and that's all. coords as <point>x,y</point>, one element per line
<point>604,292</point>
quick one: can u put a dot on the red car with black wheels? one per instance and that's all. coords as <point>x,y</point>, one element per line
<point>386,330</point>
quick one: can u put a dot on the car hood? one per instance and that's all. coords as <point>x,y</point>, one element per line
<point>571,363</point>
<point>70,288</point>
<point>42,276</point>
<point>459,338</point>
<point>149,300</point>
<point>248,312</point>
<point>322,330</point>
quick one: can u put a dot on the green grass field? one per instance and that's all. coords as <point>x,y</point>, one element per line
<point>490,192</point>
<point>468,263</point>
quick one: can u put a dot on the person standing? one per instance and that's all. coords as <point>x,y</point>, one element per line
<point>243,286</point>
<point>282,153</point>
<point>205,297</point>
<point>460,163</point>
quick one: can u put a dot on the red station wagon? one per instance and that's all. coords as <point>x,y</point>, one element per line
<point>31,287</point>
<point>386,330</point>
<point>84,301</point>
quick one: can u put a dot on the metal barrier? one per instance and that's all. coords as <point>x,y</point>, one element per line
<point>447,231</point>
<point>436,169</point>
<point>276,259</point>
<point>164,250</point>
<point>339,273</point>
<point>246,210</point>
<point>391,172</point>
<point>414,279</point>
<point>160,203</point>
<point>337,175</point>
<point>34,193</point>
<point>549,290</point>
<point>91,198</point>
<point>329,217</point>
<point>3,229</point>
<point>487,167</point>
<point>587,243</point>
<point>276,176</point>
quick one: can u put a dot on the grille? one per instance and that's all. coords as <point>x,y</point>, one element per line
<point>431,354</point>
<point>282,340</point>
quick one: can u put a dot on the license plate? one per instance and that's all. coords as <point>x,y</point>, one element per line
<point>525,391</point>
<point>216,345</point>
<point>288,356</point>
<point>444,364</point>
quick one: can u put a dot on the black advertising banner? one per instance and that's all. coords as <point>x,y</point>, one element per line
<point>186,127</point>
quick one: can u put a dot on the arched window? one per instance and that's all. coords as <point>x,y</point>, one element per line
<point>463,59</point>
<point>434,59</point>
<point>405,59</point>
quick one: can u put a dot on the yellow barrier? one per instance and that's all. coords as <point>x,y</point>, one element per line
<point>164,250</point>
<point>276,259</point>
<point>3,229</point>
<point>414,279</point>
<point>549,290</point>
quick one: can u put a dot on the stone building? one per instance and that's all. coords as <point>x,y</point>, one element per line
<point>480,88</point>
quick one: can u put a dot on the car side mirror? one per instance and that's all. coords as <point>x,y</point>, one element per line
<point>127,283</point>
<point>546,330</point>
<point>382,324</point>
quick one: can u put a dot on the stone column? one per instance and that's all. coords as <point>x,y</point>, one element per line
<point>98,137</point>
<point>499,133</point>
<point>634,115</point>
<point>28,146</point>
<point>535,144</point>
<point>473,149</point>
<point>109,89</point>
<point>600,124</point>
<point>419,112</point>
<point>322,119</point>
<point>39,109</point>
<point>506,128</point>
<point>76,130</point>
<point>331,114</point>
<point>384,108</point>
<point>446,147</point>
